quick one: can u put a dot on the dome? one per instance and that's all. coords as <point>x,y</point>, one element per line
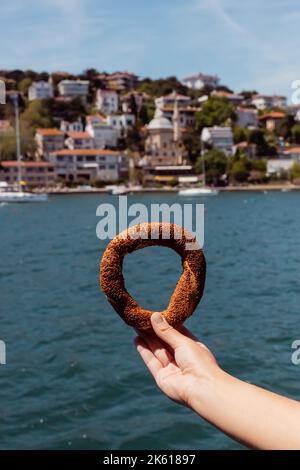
<point>159,121</point>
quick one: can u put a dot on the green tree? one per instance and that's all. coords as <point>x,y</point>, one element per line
<point>215,165</point>
<point>215,111</point>
<point>240,171</point>
<point>192,144</point>
<point>265,142</point>
<point>24,85</point>
<point>143,115</point>
<point>240,134</point>
<point>295,172</point>
<point>36,115</point>
<point>296,133</point>
<point>8,146</point>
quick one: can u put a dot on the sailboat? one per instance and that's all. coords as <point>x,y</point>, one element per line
<point>203,190</point>
<point>17,194</point>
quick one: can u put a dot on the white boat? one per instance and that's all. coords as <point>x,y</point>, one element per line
<point>119,190</point>
<point>12,194</point>
<point>201,191</point>
<point>8,194</point>
<point>204,191</point>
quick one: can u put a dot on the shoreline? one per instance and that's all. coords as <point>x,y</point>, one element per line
<point>133,190</point>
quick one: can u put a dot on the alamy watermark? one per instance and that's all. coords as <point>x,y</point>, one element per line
<point>117,219</point>
<point>2,353</point>
<point>2,92</point>
<point>295,358</point>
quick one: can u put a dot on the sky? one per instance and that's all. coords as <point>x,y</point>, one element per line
<point>249,44</point>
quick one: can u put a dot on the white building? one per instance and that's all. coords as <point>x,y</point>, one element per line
<point>218,137</point>
<point>89,165</point>
<point>74,89</point>
<point>233,98</point>
<point>104,134</point>
<point>40,91</point>
<point>107,101</point>
<point>74,126</point>
<point>200,80</point>
<point>269,101</point>
<point>247,117</point>
<point>279,166</point>
<point>79,140</point>
<point>169,100</point>
<point>121,123</point>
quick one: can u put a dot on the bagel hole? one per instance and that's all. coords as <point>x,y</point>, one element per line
<point>151,275</point>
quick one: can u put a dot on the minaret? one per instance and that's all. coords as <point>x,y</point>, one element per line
<point>176,131</point>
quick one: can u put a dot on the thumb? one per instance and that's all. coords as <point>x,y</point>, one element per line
<point>165,331</point>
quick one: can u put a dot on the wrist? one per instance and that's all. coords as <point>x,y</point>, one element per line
<point>206,389</point>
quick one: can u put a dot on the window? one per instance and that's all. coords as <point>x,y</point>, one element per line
<point>111,167</point>
<point>80,159</point>
<point>102,167</point>
<point>91,158</point>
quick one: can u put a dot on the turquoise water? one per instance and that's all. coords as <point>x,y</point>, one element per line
<point>73,379</point>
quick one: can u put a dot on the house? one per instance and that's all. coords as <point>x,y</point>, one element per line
<point>272,120</point>
<point>269,101</point>
<point>292,152</point>
<point>40,91</point>
<point>75,126</point>
<point>201,80</point>
<point>218,137</point>
<point>79,140</point>
<point>140,98</point>
<point>169,100</point>
<point>48,140</point>
<point>74,89</point>
<point>119,81</point>
<point>182,174</point>
<point>107,101</point>
<point>121,122</point>
<point>233,98</point>
<point>162,146</point>
<point>89,165</point>
<point>33,173</point>
<point>186,115</point>
<point>104,134</point>
<point>247,117</point>
<point>279,167</point>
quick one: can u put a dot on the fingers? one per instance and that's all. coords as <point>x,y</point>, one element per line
<point>148,357</point>
<point>166,332</point>
<point>157,347</point>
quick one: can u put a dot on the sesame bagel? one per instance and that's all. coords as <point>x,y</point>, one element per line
<point>189,289</point>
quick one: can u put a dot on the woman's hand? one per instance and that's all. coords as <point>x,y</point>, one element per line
<point>178,362</point>
<point>187,372</point>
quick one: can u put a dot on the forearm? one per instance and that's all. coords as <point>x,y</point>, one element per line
<point>251,415</point>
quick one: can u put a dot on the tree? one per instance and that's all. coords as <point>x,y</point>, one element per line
<point>264,141</point>
<point>296,133</point>
<point>143,115</point>
<point>240,171</point>
<point>162,86</point>
<point>192,144</point>
<point>215,165</point>
<point>295,172</point>
<point>240,134</point>
<point>36,115</point>
<point>8,146</point>
<point>24,85</point>
<point>215,111</point>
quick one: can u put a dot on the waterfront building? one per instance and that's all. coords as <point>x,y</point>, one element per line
<point>33,173</point>
<point>218,137</point>
<point>74,89</point>
<point>48,140</point>
<point>247,117</point>
<point>40,91</point>
<point>163,145</point>
<point>201,80</point>
<point>91,165</point>
<point>104,134</point>
<point>269,101</point>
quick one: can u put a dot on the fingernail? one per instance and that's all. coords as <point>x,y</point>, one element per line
<point>157,317</point>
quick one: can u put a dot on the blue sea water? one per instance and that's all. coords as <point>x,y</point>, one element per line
<point>73,379</point>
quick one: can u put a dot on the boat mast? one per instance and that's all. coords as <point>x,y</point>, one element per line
<point>203,165</point>
<point>15,99</point>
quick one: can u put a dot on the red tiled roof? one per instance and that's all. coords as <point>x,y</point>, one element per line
<point>292,150</point>
<point>86,152</point>
<point>272,115</point>
<point>49,131</point>
<point>15,163</point>
<point>79,135</point>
